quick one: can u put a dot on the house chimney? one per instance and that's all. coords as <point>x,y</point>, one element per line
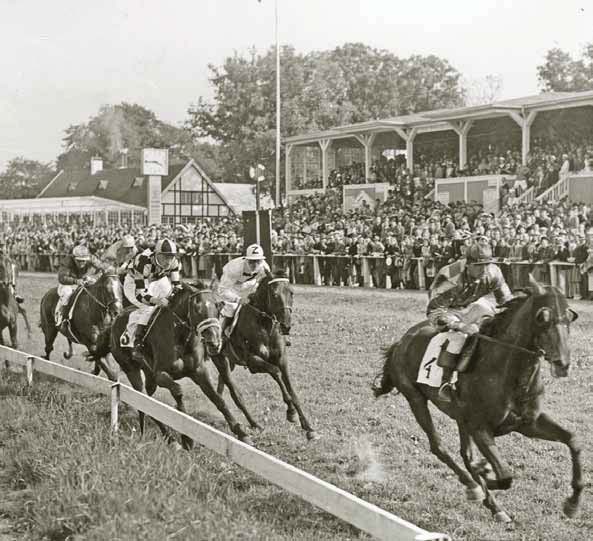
<point>96,164</point>
<point>124,158</point>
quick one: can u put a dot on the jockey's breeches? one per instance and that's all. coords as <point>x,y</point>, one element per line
<point>455,341</point>
<point>65,292</point>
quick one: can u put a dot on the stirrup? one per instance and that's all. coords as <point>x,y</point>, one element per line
<point>19,299</point>
<point>446,391</point>
<point>287,341</point>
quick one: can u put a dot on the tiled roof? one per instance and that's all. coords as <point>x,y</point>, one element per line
<point>116,184</point>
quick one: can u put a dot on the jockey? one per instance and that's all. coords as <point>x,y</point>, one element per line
<point>240,277</point>
<point>119,254</point>
<point>151,277</point>
<point>457,304</point>
<point>11,279</point>
<point>73,272</point>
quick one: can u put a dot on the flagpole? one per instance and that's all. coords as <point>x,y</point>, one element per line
<point>277,110</point>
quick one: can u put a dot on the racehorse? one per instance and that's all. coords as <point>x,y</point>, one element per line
<point>9,308</point>
<point>501,392</point>
<point>257,341</point>
<point>95,307</point>
<point>179,340</point>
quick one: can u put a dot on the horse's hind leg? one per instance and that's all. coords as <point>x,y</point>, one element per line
<point>70,352</point>
<point>23,313</point>
<point>14,339</point>
<point>163,379</point>
<point>225,378</point>
<point>545,428</point>
<point>50,337</point>
<point>422,414</point>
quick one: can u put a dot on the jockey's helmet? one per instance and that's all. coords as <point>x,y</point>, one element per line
<point>254,252</point>
<point>128,241</point>
<point>81,253</point>
<point>164,253</point>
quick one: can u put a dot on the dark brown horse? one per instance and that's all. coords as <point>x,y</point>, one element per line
<point>257,341</point>
<point>9,308</point>
<point>178,343</point>
<point>501,392</point>
<point>96,307</point>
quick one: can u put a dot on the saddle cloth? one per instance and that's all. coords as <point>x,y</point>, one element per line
<point>430,373</point>
<point>143,315</point>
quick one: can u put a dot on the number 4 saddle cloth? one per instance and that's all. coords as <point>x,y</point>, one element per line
<point>430,373</point>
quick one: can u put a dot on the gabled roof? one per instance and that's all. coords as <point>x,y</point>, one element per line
<point>241,197</point>
<point>118,184</point>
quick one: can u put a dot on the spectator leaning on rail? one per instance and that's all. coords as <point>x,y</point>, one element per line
<point>457,304</point>
<point>11,280</point>
<point>151,278</point>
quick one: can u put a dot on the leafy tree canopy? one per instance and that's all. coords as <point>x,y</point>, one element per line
<point>560,72</point>
<point>24,178</point>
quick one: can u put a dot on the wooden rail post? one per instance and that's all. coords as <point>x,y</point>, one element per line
<point>29,369</point>
<point>115,391</point>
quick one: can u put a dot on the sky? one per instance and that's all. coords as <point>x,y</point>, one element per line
<point>62,59</point>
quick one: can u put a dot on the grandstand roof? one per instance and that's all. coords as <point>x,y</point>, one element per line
<point>123,185</point>
<point>439,117</point>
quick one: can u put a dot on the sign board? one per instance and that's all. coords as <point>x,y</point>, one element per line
<point>153,204</point>
<point>484,189</point>
<point>155,161</point>
<point>359,195</point>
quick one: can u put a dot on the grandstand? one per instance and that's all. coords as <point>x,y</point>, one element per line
<point>523,138</point>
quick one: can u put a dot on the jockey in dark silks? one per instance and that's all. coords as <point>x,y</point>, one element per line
<point>11,278</point>
<point>120,253</point>
<point>151,278</point>
<point>74,271</point>
<point>457,303</point>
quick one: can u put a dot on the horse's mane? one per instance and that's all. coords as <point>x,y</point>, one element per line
<point>495,325</point>
<point>279,273</point>
<point>195,286</point>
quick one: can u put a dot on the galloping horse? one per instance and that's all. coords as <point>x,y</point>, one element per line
<point>500,393</point>
<point>9,308</point>
<point>178,342</point>
<point>95,307</point>
<point>257,341</point>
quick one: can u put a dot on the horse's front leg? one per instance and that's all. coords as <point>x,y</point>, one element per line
<point>23,313</point>
<point>164,379</point>
<point>311,434</point>
<point>545,428</point>
<point>225,378</point>
<point>487,446</point>
<point>14,339</point>
<point>68,354</point>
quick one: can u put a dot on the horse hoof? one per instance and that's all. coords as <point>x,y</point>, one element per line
<point>67,355</point>
<point>291,416</point>
<point>475,494</point>
<point>247,440</point>
<point>570,509</point>
<point>499,484</point>
<point>502,517</point>
<point>312,435</point>
<point>258,428</point>
<point>177,446</point>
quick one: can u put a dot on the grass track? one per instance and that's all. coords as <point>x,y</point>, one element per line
<point>372,448</point>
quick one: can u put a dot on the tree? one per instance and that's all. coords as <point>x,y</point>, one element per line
<point>119,127</point>
<point>24,178</point>
<point>560,72</point>
<point>319,90</point>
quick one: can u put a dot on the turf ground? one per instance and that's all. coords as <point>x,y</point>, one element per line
<point>372,448</point>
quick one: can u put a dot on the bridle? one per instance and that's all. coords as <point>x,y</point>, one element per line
<point>94,298</point>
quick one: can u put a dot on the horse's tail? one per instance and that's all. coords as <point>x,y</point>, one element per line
<point>386,383</point>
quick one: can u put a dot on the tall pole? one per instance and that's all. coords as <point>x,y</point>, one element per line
<point>277,111</point>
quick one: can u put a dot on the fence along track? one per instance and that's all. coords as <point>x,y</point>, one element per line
<point>365,516</point>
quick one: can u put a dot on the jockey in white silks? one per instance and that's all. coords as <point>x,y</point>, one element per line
<point>119,254</point>
<point>150,280</point>
<point>458,301</point>
<point>75,270</point>
<point>240,278</point>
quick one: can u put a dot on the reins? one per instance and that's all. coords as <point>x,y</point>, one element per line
<point>508,345</point>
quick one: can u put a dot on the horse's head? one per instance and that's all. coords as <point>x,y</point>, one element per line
<point>201,314</point>
<point>550,321</point>
<point>109,291</point>
<point>274,296</point>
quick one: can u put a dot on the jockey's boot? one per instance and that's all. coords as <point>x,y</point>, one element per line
<point>448,362</point>
<point>64,315</point>
<point>137,354</point>
<point>287,341</point>
<point>17,298</point>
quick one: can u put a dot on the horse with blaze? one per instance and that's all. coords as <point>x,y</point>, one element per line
<point>178,343</point>
<point>501,391</point>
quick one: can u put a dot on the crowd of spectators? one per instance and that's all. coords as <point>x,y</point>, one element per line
<point>410,242</point>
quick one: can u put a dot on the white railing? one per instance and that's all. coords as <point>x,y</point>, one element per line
<point>361,514</point>
<point>527,196</point>
<point>556,192</point>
